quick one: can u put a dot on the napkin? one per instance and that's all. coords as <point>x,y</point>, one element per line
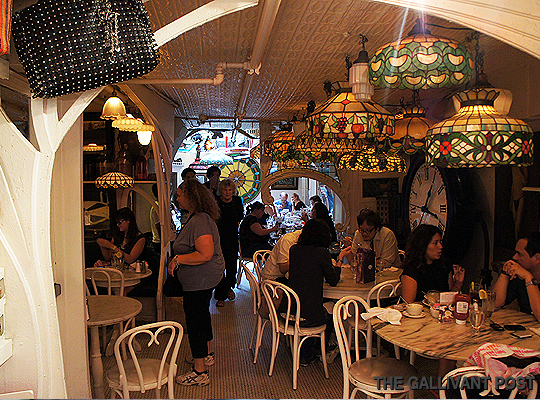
<point>391,269</point>
<point>384,314</point>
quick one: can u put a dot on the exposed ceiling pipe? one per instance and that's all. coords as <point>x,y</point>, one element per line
<point>268,17</point>
<point>217,80</point>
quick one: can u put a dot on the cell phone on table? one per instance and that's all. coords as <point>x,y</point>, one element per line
<point>521,335</point>
<point>514,327</point>
<point>496,326</point>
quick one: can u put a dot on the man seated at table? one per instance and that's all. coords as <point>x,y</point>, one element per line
<point>277,265</point>
<point>520,275</point>
<point>372,235</point>
<point>283,203</point>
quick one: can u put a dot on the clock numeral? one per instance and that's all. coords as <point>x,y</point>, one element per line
<point>427,174</point>
<point>442,208</point>
<point>419,178</point>
<point>415,224</point>
<point>441,226</point>
<point>439,191</point>
<point>413,192</point>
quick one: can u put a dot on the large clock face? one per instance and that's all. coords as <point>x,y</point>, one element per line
<point>428,198</point>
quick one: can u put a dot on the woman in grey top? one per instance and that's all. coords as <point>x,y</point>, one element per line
<point>199,266</point>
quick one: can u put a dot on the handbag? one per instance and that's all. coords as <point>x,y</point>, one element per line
<point>68,46</point>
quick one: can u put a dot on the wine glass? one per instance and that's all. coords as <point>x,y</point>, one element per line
<point>488,304</point>
<point>380,265</point>
<point>335,249</point>
<point>477,319</point>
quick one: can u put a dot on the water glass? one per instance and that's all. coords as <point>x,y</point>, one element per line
<point>354,265</point>
<point>477,319</point>
<point>380,265</point>
<point>488,305</point>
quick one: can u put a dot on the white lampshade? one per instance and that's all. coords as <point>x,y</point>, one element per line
<point>144,137</point>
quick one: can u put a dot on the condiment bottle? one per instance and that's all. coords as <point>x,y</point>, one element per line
<point>461,308</point>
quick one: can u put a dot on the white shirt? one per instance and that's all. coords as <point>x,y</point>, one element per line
<point>384,244</point>
<point>279,254</point>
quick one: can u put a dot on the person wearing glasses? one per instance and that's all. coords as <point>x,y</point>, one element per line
<point>372,235</point>
<point>128,239</point>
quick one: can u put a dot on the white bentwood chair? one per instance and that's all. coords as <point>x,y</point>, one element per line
<point>288,324</point>
<point>489,391</point>
<point>142,374</point>
<point>362,372</point>
<point>260,320</point>
<point>259,259</point>
<point>243,262</point>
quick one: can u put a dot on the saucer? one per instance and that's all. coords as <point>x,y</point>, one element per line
<point>422,315</point>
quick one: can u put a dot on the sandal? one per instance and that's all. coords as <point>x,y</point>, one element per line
<point>231,295</point>
<point>220,303</point>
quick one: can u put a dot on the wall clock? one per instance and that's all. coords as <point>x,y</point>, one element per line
<point>442,197</point>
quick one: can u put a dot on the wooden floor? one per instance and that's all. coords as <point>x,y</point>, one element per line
<point>235,376</point>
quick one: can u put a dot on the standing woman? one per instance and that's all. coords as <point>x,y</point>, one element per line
<point>128,239</point>
<point>198,265</point>
<point>232,212</point>
<point>297,204</point>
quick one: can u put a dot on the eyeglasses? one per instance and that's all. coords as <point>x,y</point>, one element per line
<point>119,222</point>
<point>367,231</point>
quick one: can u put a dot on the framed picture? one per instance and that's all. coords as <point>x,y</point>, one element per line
<point>286,183</point>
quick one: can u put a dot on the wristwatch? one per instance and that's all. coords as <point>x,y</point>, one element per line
<point>531,282</point>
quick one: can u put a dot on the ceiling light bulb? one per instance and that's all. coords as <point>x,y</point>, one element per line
<point>144,137</point>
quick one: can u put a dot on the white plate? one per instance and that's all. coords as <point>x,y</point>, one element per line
<point>422,315</point>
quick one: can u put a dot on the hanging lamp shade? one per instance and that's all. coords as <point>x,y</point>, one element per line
<point>114,180</point>
<point>129,123</point>
<point>342,124</point>
<point>255,152</point>
<point>478,135</point>
<point>410,131</point>
<point>144,137</point>
<point>371,159</point>
<point>421,61</point>
<point>113,108</point>
<point>216,158</point>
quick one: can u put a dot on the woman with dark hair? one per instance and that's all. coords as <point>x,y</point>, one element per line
<point>297,204</point>
<point>253,236</point>
<point>232,212</point>
<point>310,265</point>
<point>424,268</point>
<point>198,264</point>
<point>320,211</point>
<point>127,239</point>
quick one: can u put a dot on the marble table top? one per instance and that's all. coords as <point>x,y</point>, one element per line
<point>452,341</point>
<point>347,286</point>
<point>110,310</point>
<point>131,278</point>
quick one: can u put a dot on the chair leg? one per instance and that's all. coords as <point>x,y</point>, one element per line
<point>397,351</point>
<point>412,358</point>
<point>323,352</point>
<point>275,346</point>
<point>296,361</point>
<point>378,346</point>
<point>260,331</point>
<point>254,332</point>
<point>239,275</point>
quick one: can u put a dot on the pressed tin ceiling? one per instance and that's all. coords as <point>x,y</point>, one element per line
<point>308,45</point>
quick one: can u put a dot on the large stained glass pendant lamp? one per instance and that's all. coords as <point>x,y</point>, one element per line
<point>371,159</point>
<point>280,147</point>
<point>421,61</point>
<point>411,130</point>
<point>478,135</point>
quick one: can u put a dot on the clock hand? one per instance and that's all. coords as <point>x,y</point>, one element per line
<point>428,195</point>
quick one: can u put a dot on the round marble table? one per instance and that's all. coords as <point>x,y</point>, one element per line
<point>103,311</point>
<point>347,286</point>
<point>452,341</point>
<point>131,278</point>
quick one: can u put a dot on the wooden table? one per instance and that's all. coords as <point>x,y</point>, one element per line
<point>103,311</point>
<point>347,286</point>
<point>452,341</point>
<point>131,278</point>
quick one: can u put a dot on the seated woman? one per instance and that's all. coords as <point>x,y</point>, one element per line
<point>128,239</point>
<point>253,236</point>
<point>319,210</point>
<point>310,265</point>
<point>297,204</point>
<point>424,269</point>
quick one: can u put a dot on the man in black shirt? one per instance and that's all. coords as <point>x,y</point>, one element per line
<point>520,275</point>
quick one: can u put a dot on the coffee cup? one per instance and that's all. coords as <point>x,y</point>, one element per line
<point>414,309</point>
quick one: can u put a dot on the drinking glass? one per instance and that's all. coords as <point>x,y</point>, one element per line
<point>354,264</point>
<point>335,249</point>
<point>488,305</point>
<point>477,319</point>
<point>380,265</point>
<point>474,288</point>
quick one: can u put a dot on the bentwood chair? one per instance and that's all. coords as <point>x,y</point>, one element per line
<point>384,290</point>
<point>95,274</point>
<point>243,262</point>
<point>489,390</point>
<point>142,374</point>
<point>260,320</point>
<point>259,259</point>
<point>288,324</point>
<point>362,372</point>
